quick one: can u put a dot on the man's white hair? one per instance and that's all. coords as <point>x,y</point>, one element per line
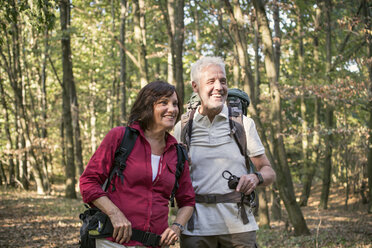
<point>202,63</point>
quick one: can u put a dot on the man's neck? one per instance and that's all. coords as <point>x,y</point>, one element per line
<point>211,113</point>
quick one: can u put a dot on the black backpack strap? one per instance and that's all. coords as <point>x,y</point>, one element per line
<point>121,155</point>
<point>181,158</point>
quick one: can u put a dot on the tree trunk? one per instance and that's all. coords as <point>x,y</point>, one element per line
<point>197,31</point>
<point>92,112</point>
<point>329,112</point>
<point>313,164</point>
<point>239,34</point>
<point>368,37</point>
<point>257,56</point>
<point>140,38</point>
<point>263,210</point>
<point>278,36</point>
<point>111,109</point>
<point>173,12</point>
<point>44,133</point>
<point>179,34</point>
<point>328,159</point>
<point>123,75</point>
<point>282,169</point>
<point>67,88</point>
<point>276,210</point>
<point>306,165</point>
<point>9,145</point>
<point>308,177</point>
<point>220,32</point>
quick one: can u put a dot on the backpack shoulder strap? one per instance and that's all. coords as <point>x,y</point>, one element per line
<point>181,158</point>
<point>238,132</point>
<point>121,155</point>
<point>186,127</point>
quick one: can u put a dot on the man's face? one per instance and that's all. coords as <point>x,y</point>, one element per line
<point>212,89</point>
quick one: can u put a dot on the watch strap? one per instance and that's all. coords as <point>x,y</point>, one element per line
<point>181,227</point>
<point>259,176</point>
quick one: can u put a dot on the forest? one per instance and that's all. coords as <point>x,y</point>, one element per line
<point>71,70</point>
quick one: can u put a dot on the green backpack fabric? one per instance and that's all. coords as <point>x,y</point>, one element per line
<point>238,100</point>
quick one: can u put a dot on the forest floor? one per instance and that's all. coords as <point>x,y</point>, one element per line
<point>31,220</point>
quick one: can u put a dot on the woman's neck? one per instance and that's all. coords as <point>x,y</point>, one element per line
<point>156,140</point>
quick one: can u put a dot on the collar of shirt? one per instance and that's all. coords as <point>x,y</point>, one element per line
<point>224,114</point>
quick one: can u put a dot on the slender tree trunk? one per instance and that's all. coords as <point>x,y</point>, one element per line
<point>308,177</point>
<point>197,31</point>
<point>282,169</point>
<point>257,56</point>
<point>111,109</point>
<point>329,112</point>
<point>239,34</point>
<point>173,12</point>
<point>367,23</point>
<point>305,143</point>
<point>263,210</point>
<point>140,38</point>
<point>179,34</point>
<point>220,32</point>
<point>92,111</point>
<point>44,105</point>
<point>3,175</point>
<point>328,159</point>
<point>278,36</point>
<point>276,210</point>
<point>9,145</point>
<point>67,88</point>
<point>123,76</point>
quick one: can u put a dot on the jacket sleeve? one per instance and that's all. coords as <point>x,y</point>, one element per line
<point>99,166</point>
<point>185,195</point>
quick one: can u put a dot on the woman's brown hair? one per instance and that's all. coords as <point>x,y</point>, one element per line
<point>143,108</point>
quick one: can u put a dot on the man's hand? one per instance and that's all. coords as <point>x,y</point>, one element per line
<point>170,236</point>
<point>247,184</point>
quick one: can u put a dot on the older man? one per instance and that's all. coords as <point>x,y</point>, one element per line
<point>212,149</point>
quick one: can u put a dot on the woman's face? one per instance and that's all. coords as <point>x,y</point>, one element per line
<point>166,112</point>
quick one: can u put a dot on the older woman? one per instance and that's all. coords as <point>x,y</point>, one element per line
<point>141,200</point>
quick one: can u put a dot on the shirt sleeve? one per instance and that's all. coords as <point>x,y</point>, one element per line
<point>185,195</point>
<point>177,131</point>
<point>254,144</point>
<point>99,166</point>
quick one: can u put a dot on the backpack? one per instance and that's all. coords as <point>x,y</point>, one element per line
<point>237,102</point>
<point>92,215</point>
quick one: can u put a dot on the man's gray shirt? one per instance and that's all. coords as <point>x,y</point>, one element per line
<point>212,151</point>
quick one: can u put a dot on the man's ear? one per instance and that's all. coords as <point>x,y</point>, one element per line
<point>194,86</point>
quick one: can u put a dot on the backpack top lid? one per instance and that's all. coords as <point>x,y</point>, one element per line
<point>238,99</point>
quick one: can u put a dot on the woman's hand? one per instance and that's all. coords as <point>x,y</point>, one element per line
<point>170,236</point>
<point>122,227</point>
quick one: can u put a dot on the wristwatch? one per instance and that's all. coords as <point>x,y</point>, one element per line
<point>181,227</point>
<point>259,176</point>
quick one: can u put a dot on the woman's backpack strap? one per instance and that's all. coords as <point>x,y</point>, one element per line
<point>121,155</point>
<point>181,159</point>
